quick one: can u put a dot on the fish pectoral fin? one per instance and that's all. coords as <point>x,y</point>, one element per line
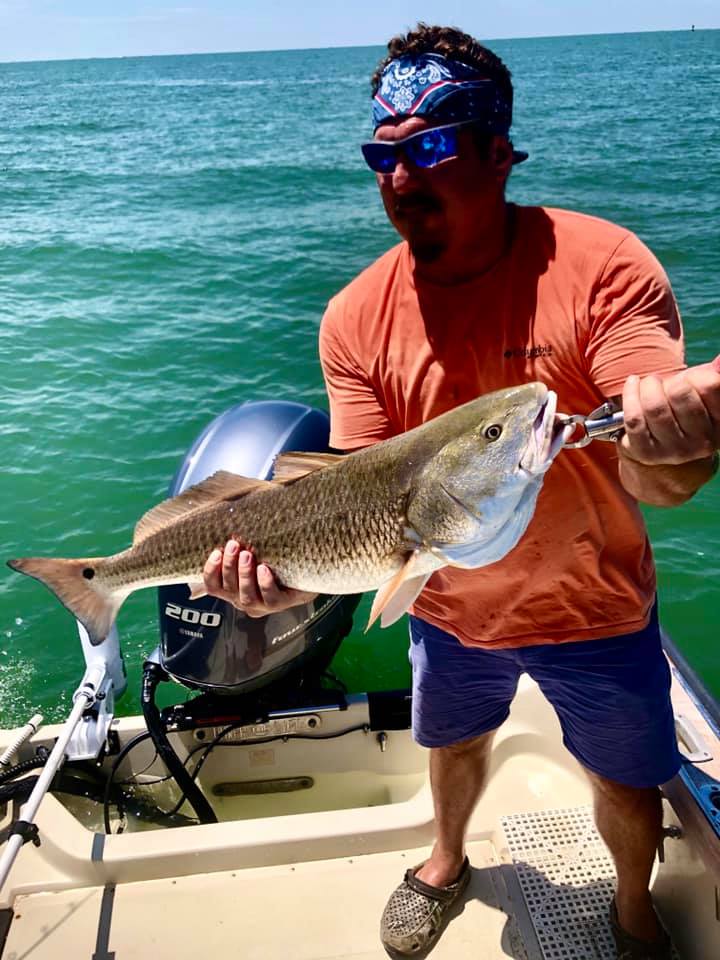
<point>292,466</point>
<point>220,486</point>
<point>395,597</point>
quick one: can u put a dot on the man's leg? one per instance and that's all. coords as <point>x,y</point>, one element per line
<point>461,695</point>
<point>613,700</point>
<point>629,819</point>
<point>458,774</point>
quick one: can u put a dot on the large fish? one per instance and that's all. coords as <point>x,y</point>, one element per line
<point>458,490</point>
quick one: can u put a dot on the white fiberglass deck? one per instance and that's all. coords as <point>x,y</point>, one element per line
<point>323,910</point>
<point>312,886</point>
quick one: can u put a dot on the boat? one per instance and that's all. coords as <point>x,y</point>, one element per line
<point>270,813</point>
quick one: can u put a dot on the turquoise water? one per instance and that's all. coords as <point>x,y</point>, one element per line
<point>171,230</point>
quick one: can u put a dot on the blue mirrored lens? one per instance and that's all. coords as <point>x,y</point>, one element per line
<point>380,157</point>
<point>424,149</point>
<point>431,147</point>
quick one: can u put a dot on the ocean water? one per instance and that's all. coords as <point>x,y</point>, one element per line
<point>171,230</point>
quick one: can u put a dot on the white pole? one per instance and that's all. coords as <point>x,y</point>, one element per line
<point>83,697</point>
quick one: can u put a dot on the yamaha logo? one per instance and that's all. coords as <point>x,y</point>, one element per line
<point>189,615</point>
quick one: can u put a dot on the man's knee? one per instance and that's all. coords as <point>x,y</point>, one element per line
<point>622,795</point>
<point>478,747</point>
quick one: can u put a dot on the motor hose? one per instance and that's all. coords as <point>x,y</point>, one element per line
<point>152,674</point>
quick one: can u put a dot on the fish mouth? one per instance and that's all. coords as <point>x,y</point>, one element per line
<point>547,437</point>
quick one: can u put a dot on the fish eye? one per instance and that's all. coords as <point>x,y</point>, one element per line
<point>493,431</point>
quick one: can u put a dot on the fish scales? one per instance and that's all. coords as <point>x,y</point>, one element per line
<point>458,490</point>
<point>356,524</point>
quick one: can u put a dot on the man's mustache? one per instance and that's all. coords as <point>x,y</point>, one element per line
<point>414,202</point>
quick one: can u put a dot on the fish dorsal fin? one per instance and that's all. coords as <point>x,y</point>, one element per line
<point>292,466</point>
<point>220,486</point>
<point>396,596</point>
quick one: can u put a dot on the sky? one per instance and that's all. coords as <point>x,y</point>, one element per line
<point>68,29</point>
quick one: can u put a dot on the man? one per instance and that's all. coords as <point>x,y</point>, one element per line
<point>482,294</point>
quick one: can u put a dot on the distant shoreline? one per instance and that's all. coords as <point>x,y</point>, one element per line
<point>372,46</point>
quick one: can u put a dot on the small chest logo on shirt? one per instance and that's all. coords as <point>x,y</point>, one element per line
<point>529,353</point>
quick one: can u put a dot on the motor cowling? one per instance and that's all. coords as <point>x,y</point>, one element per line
<point>208,644</point>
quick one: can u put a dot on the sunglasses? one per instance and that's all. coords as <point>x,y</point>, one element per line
<point>425,149</point>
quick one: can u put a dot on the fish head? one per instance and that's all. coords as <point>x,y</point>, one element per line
<point>478,493</point>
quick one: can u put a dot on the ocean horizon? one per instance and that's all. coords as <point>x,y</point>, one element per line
<point>359,46</point>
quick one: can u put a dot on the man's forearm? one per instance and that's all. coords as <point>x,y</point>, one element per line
<point>665,485</point>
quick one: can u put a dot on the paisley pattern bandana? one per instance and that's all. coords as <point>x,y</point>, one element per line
<point>430,85</point>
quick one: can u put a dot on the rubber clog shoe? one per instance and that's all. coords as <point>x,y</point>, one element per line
<point>416,912</point>
<point>631,948</point>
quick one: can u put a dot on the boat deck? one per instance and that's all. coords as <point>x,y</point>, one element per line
<point>312,886</point>
<point>326,909</point>
<point>545,895</point>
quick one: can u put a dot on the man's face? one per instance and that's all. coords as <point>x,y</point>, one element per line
<point>439,208</point>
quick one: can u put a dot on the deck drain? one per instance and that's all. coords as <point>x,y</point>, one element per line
<point>567,878</point>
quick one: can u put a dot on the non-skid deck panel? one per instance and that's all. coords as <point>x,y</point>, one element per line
<point>322,910</point>
<point>567,879</point>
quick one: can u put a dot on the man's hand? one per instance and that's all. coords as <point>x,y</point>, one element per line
<point>672,430</point>
<point>675,420</point>
<point>232,574</point>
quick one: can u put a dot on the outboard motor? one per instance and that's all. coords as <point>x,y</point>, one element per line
<point>206,643</point>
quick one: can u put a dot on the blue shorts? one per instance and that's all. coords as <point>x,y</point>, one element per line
<point>612,697</point>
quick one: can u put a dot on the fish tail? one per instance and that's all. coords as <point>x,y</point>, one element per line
<point>72,583</point>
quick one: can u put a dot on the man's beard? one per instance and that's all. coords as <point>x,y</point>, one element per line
<point>409,211</point>
<point>426,251</point>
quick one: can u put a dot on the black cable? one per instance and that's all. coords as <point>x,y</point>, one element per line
<point>19,791</point>
<point>32,764</point>
<point>244,743</point>
<point>152,674</point>
<point>206,748</point>
<point>109,782</point>
<point>279,736</point>
<point>133,779</point>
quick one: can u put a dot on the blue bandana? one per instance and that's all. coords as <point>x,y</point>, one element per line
<point>430,85</point>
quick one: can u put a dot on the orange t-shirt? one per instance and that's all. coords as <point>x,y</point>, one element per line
<point>577,303</point>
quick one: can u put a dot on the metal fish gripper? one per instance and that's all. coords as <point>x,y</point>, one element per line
<point>607,422</point>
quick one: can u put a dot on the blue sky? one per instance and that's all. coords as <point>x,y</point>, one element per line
<point>52,29</point>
